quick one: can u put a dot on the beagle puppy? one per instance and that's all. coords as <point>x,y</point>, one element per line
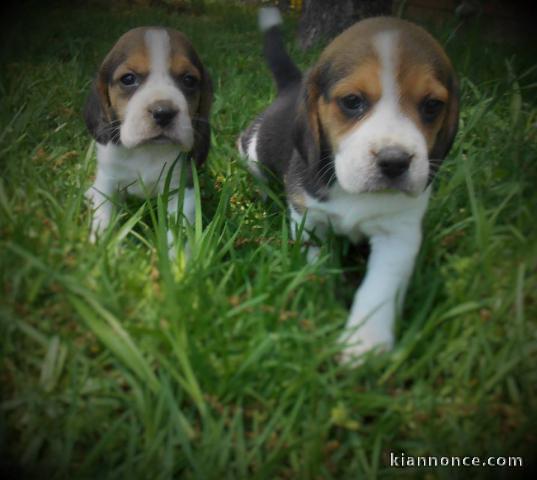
<point>356,142</point>
<point>148,110</point>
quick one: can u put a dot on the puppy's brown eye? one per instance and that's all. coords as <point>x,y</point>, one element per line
<point>430,108</point>
<point>189,81</point>
<point>129,80</point>
<point>353,105</point>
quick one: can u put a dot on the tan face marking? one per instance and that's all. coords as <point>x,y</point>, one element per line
<point>363,81</point>
<point>137,63</point>
<point>128,54</point>
<point>179,66</point>
<point>418,83</point>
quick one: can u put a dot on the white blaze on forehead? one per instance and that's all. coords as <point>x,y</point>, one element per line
<point>159,48</point>
<point>385,44</point>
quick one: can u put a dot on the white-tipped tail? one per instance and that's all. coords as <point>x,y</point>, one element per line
<point>269,17</point>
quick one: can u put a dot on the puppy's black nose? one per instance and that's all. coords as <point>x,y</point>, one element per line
<point>163,114</point>
<point>393,161</point>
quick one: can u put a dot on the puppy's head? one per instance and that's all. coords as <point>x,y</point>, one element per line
<point>379,110</point>
<point>152,88</point>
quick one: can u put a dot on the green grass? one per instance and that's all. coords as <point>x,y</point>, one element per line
<point>118,364</point>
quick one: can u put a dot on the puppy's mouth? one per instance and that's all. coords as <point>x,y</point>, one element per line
<point>402,185</point>
<point>379,184</point>
<point>162,139</point>
<point>149,135</point>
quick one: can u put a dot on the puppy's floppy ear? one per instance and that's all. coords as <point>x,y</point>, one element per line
<point>306,126</point>
<point>200,121</point>
<point>98,112</point>
<point>446,135</point>
<point>308,137</point>
<point>95,112</point>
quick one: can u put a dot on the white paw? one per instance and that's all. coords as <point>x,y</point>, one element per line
<point>99,224</point>
<point>365,340</point>
<point>174,255</point>
<point>313,254</point>
<point>101,212</point>
<point>89,194</point>
<point>172,249</point>
<point>93,236</point>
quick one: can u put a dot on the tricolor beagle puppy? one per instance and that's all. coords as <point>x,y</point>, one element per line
<point>150,102</point>
<point>357,141</point>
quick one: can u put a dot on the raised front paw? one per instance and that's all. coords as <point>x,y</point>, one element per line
<point>363,340</point>
<point>355,349</point>
<point>313,254</point>
<point>101,213</point>
<point>174,251</point>
<point>99,224</point>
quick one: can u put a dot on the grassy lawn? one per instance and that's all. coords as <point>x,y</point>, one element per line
<point>117,364</point>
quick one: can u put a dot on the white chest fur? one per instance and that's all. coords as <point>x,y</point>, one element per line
<point>138,171</point>
<point>370,214</point>
<point>141,171</point>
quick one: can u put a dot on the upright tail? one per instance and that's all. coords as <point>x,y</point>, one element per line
<point>281,65</point>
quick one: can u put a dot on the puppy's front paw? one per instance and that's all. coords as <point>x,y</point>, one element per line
<point>362,341</point>
<point>313,254</point>
<point>354,351</point>
<point>89,195</point>
<point>173,253</point>
<point>101,213</point>
<point>99,224</point>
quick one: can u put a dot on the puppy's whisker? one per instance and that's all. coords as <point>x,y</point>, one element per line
<point>111,129</point>
<point>325,169</point>
<point>113,124</point>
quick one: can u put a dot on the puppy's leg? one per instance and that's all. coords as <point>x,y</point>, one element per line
<point>189,214</point>
<point>381,294</point>
<point>247,146</point>
<point>99,195</point>
<point>311,227</point>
